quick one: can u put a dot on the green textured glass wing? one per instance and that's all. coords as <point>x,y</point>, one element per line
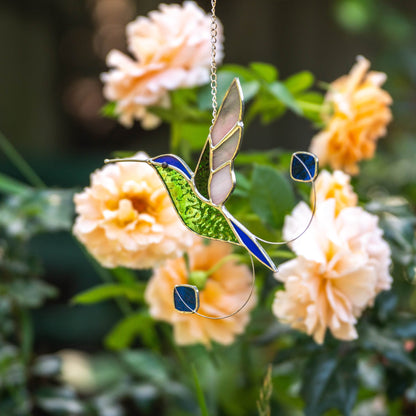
<point>197,215</point>
<point>202,171</point>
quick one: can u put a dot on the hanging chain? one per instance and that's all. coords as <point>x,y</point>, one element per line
<point>214,33</point>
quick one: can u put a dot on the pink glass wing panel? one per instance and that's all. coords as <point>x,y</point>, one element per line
<point>227,150</point>
<point>229,113</point>
<point>221,185</point>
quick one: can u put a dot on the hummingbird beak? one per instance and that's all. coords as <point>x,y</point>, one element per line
<point>106,161</point>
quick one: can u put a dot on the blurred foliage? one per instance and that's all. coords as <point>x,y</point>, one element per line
<point>24,212</point>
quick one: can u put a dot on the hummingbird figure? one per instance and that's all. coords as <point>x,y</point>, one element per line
<point>199,196</point>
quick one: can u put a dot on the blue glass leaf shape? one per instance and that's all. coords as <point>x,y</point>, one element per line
<point>186,298</point>
<point>303,167</point>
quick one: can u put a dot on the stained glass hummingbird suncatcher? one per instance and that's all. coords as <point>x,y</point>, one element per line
<point>199,196</point>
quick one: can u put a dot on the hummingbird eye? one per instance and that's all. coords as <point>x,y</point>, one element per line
<point>164,165</point>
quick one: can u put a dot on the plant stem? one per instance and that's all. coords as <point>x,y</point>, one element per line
<point>221,262</point>
<point>26,334</point>
<point>175,137</point>
<point>305,105</point>
<point>282,254</point>
<point>20,163</point>
<point>105,276</point>
<point>189,366</point>
<point>199,393</point>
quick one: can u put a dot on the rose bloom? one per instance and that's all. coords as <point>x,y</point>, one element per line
<point>360,115</point>
<point>171,49</point>
<point>225,291</point>
<point>126,217</point>
<point>342,263</point>
<point>335,185</point>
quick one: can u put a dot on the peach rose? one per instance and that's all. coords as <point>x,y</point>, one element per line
<point>342,263</point>
<point>171,49</point>
<point>222,293</point>
<point>335,185</point>
<point>360,115</point>
<point>126,217</point>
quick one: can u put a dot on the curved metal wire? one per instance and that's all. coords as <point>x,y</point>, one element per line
<point>304,230</point>
<point>215,318</point>
<point>310,219</point>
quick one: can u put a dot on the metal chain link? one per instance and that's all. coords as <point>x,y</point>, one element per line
<point>214,34</point>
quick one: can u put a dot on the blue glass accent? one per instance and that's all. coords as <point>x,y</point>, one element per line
<point>253,247</point>
<point>304,167</point>
<point>186,298</point>
<point>172,160</point>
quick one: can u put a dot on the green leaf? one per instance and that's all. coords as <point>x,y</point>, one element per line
<point>12,368</point>
<point>224,80</point>
<point>12,186</point>
<point>268,107</point>
<point>243,186</point>
<point>311,104</point>
<point>405,328</point>
<point>225,76</point>
<point>60,401</point>
<point>120,154</point>
<point>238,71</point>
<point>109,291</point>
<point>124,276</point>
<point>182,97</point>
<point>195,134</point>
<point>399,232</point>
<point>165,114</point>
<point>269,157</point>
<point>398,222</point>
<point>180,114</point>
<point>271,196</point>
<point>182,108</point>
<point>386,303</point>
<point>47,366</point>
<point>147,365</point>
<point>109,110</point>
<point>20,163</point>
<point>250,89</point>
<point>56,209</point>
<point>124,333</point>
<point>388,344</point>
<point>37,211</point>
<point>29,293</point>
<point>354,15</point>
<point>280,91</point>
<point>266,72</point>
<point>299,82</point>
<point>330,382</point>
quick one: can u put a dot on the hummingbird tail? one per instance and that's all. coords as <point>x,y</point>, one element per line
<point>249,241</point>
